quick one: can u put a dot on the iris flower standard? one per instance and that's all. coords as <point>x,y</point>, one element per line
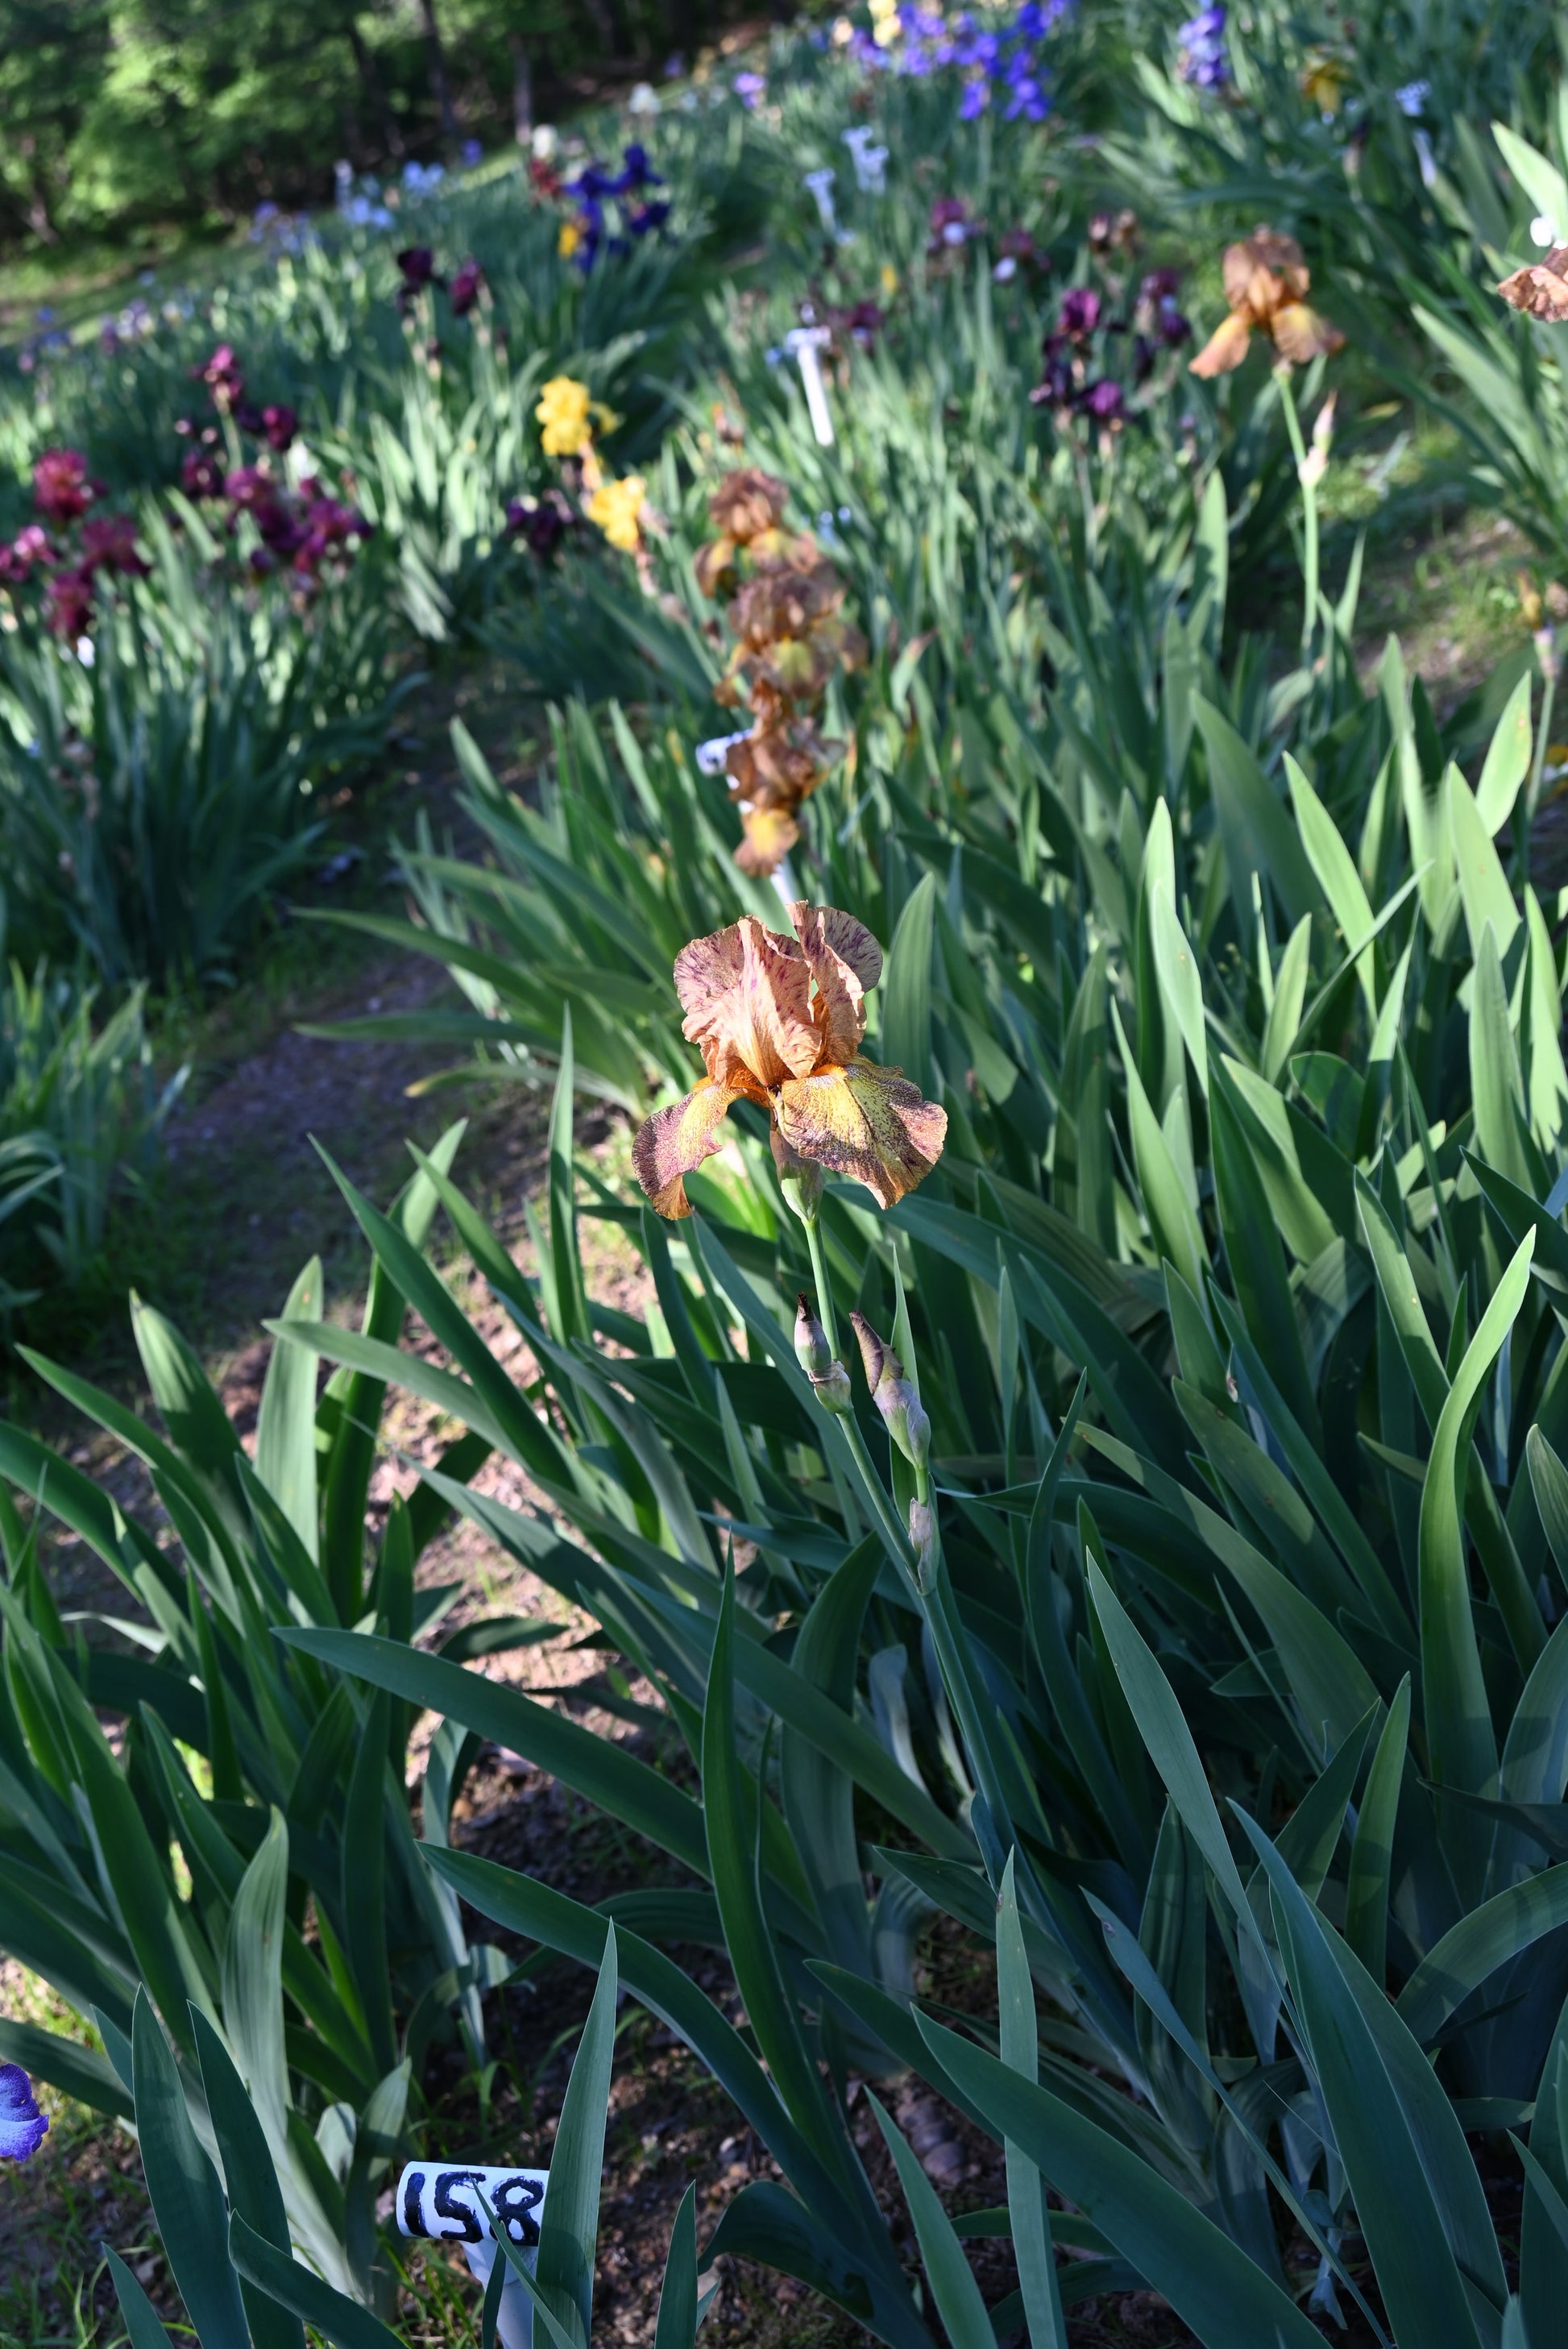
<point>22,2125</point>
<point>780,1021</point>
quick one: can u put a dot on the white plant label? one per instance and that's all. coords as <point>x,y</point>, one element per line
<point>444,2202</point>
<point>805,344</point>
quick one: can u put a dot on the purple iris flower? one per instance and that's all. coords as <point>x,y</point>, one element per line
<point>1202,59</point>
<point>1104,401</point>
<point>1080,312</point>
<point>637,171</point>
<point>22,2125</point>
<point>750,89</point>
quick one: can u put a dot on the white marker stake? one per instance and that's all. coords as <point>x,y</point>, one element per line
<point>713,755</point>
<point>820,184</point>
<point>804,343</point>
<point>438,2202</point>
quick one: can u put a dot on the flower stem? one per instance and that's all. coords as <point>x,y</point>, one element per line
<point>876,1491</point>
<point>1308,507</point>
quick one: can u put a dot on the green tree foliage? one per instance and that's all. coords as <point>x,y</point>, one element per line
<point>119,112</point>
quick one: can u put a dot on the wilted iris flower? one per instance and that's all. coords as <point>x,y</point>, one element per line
<point>1267,279</point>
<point>61,490</point>
<point>780,1021</point>
<point>21,2123</point>
<point>1325,80</point>
<point>1541,288</point>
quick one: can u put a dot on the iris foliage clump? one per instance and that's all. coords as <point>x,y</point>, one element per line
<point>1141,1026</point>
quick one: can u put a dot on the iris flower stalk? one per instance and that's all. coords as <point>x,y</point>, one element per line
<point>780,1021</point>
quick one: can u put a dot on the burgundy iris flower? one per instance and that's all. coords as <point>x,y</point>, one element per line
<point>108,544</point>
<point>30,546</point>
<point>278,427</point>
<point>68,603</point>
<point>61,490</point>
<point>224,376</point>
<point>465,285</point>
<point>202,474</point>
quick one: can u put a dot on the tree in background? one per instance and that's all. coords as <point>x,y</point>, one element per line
<point>53,55</point>
<point>121,113</point>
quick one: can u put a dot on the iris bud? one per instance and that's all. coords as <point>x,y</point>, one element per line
<point>812,1351</point>
<point>894,1395</point>
<point>802,1183</point>
<point>922,1540</point>
<point>829,1379</point>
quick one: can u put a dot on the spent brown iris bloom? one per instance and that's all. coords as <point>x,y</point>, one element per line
<point>1266,280</point>
<point>780,1021</point>
<point>1541,288</point>
<point>785,612</point>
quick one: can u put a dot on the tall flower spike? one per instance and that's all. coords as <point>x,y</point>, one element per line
<point>21,2123</point>
<point>780,1021</point>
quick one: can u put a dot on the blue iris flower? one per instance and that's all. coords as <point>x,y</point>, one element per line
<point>22,2125</point>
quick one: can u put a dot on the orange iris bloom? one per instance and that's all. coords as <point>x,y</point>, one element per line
<point>780,1021</point>
<point>1266,278</point>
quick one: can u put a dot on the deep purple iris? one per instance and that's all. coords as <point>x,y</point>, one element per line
<point>465,287</point>
<point>1080,312</point>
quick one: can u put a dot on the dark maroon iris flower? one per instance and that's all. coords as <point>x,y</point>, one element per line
<point>108,544</point>
<point>539,522</point>
<point>201,475</point>
<point>278,427</point>
<point>68,603</point>
<point>466,283</point>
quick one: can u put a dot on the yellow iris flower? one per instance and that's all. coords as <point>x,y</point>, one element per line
<point>615,507</point>
<point>563,412</point>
